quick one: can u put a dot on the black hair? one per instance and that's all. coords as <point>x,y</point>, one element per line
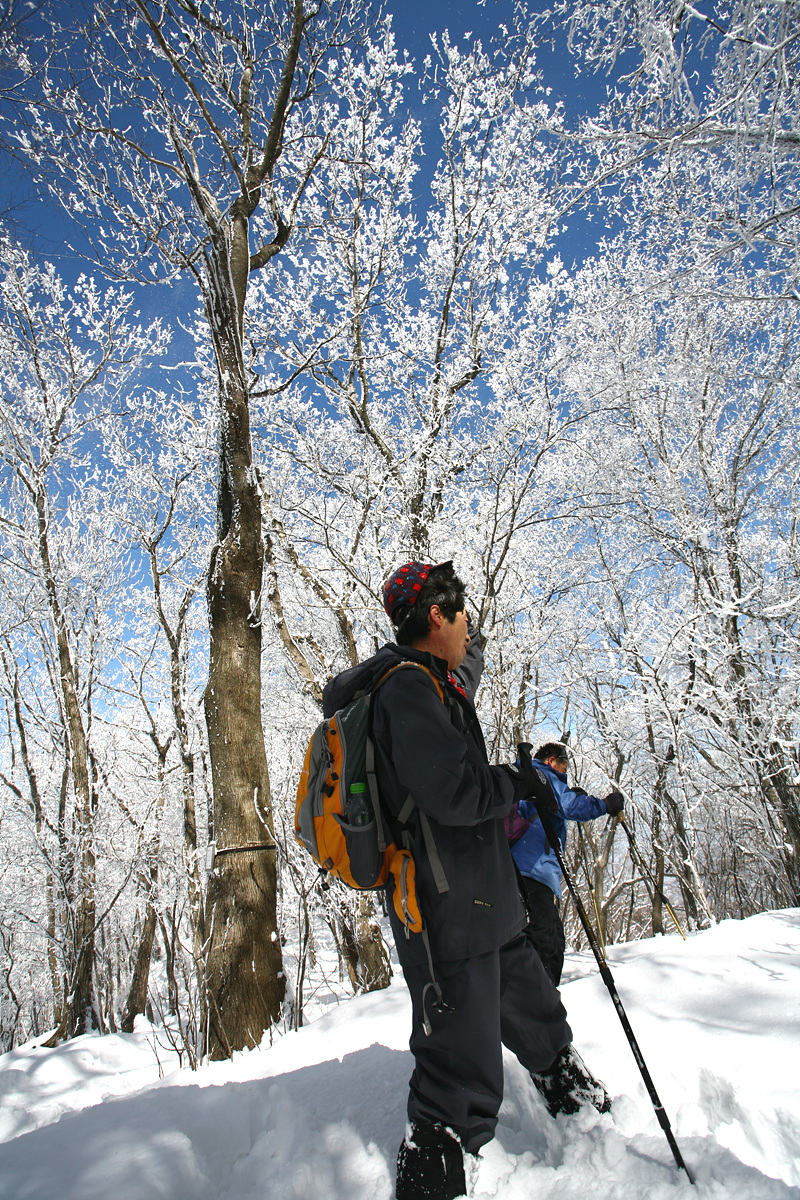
<point>552,750</point>
<point>442,588</point>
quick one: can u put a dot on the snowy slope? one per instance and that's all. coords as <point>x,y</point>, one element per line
<point>319,1114</point>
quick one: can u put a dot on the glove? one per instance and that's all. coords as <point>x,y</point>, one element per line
<point>614,803</point>
<point>538,789</point>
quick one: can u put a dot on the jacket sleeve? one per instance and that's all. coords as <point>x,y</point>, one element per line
<point>471,670</point>
<point>580,806</point>
<point>574,805</point>
<point>430,757</point>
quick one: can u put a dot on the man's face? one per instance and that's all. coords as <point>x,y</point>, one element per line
<point>454,640</point>
<point>558,764</point>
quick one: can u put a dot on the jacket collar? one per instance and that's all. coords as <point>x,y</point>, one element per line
<point>343,687</point>
<point>550,770</point>
<point>437,665</point>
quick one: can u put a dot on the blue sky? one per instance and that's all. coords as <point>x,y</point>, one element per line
<point>41,225</point>
<point>414,20</point>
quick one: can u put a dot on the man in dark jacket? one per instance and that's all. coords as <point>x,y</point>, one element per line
<point>536,860</point>
<point>475,981</point>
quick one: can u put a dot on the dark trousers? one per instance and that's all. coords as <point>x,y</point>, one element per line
<point>503,998</point>
<point>544,930</point>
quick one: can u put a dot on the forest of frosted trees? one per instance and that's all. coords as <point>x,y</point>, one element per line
<point>332,303</point>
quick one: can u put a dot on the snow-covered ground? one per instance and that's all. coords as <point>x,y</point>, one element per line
<point>319,1114</point>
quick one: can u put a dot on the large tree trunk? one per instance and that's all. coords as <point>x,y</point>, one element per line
<point>244,977</point>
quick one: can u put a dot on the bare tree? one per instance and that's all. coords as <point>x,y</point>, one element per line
<point>701,137</point>
<point>700,397</point>
<point>65,359</point>
<point>227,136</point>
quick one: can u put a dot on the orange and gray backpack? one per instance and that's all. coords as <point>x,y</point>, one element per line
<point>338,814</point>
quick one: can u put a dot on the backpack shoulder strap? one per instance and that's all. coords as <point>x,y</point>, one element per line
<point>417,666</point>
<point>372,781</point>
<point>434,859</point>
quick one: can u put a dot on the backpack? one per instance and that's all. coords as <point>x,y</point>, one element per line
<point>338,815</point>
<point>516,826</point>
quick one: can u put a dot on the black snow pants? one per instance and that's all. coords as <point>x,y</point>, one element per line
<point>503,998</point>
<point>545,930</point>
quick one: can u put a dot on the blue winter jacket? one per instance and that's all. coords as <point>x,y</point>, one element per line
<point>531,853</point>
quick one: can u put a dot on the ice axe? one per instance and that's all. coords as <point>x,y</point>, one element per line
<point>539,786</point>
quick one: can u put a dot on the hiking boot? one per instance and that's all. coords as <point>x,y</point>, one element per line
<point>567,1085</point>
<point>430,1164</point>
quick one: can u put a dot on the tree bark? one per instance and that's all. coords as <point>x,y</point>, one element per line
<point>244,979</point>
<point>77,1013</point>
<point>137,995</point>
<point>374,967</point>
<point>244,976</point>
<point>656,901</point>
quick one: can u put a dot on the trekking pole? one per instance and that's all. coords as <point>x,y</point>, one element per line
<point>638,858</point>
<point>524,757</point>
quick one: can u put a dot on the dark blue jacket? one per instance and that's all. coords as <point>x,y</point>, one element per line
<point>532,854</point>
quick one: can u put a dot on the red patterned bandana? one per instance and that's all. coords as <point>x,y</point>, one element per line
<point>403,585</point>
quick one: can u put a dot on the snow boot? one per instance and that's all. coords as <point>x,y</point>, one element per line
<point>430,1164</point>
<point>567,1085</point>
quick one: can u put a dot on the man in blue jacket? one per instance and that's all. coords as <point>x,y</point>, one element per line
<point>536,861</point>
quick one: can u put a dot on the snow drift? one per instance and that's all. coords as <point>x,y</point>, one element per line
<point>318,1115</point>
